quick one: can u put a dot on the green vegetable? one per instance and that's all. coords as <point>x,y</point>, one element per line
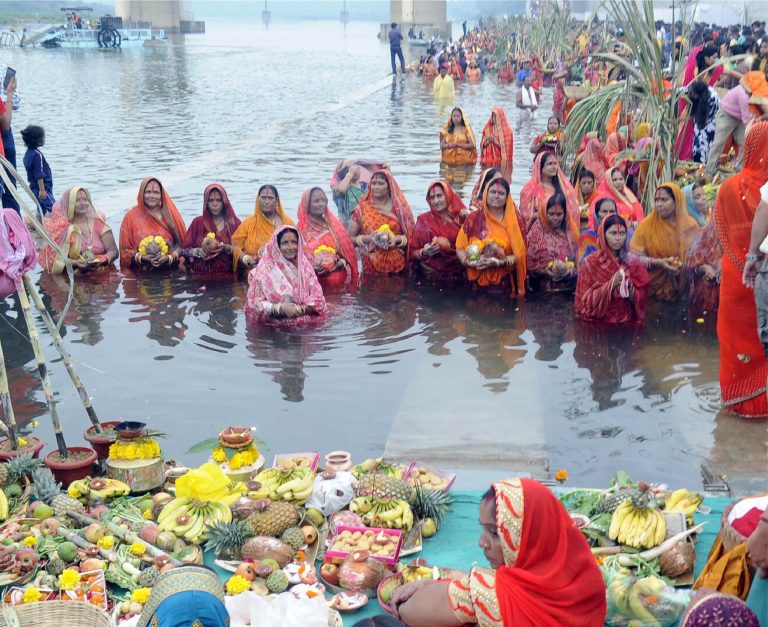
<point>583,502</point>
<point>621,480</point>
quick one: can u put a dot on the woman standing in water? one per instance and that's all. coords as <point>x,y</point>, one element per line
<point>219,220</point>
<point>548,180</point>
<point>252,235</point>
<point>457,139</point>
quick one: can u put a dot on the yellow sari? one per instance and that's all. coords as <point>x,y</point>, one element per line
<point>465,136</point>
<point>255,231</point>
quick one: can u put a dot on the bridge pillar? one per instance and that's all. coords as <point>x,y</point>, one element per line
<point>431,16</point>
<point>174,16</point>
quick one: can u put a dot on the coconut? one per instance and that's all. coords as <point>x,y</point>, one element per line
<point>357,576</point>
<point>679,560</point>
<point>260,548</point>
<point>242,508</point>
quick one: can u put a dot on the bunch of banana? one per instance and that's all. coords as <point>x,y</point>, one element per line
<point>414,573</point>
<point>384,514</point>
<point>4,508</point>
<point>293,485</point>
<point>619,592</point>
<point>101,488</point>
<point>378,465</point>
<point>638,528</point>
<point>236,490</point>
<point>683,501</point>
<point>188,518</point>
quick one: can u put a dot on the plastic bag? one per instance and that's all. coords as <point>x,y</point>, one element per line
<point>207,483</point>
<point>288,611</point>
<point>331,495</point>
<point>647,602</point>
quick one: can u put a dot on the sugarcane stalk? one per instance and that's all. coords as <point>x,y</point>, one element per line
<point>125,536</point>
<point>59,344</point>
<point>110,556</point>
<point>5,398</point>
<point>46,381</point>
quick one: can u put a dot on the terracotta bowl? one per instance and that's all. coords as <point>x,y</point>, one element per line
<point>236,435</point>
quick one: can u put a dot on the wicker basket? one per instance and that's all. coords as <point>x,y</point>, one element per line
<point>578,93</point>
<point>60,614</point>
<point>729,536</point>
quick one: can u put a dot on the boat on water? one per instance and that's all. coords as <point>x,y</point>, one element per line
<point>423,41</point>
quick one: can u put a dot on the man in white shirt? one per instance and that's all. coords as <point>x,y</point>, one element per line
<point>526,100</point>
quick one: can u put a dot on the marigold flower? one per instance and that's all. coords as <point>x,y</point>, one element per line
<point>324,249</point>
<point>69,579</point>
<point>32,595</point>
<point>140,596</point>
<point>147,515</point>
<point>561,476</point>
<point>22,442</point>
<point>137,548</point>
<point>237,584</point>
<point>106,543</point>
<point>73,493</point>
<point>30,541</point>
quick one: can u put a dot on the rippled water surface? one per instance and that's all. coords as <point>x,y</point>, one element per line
<point>401,369</point>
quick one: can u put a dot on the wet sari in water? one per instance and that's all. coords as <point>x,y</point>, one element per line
<point>536,587</point>
<point>204,224</point>
<point>596,297</point>
<point>72,240</point>
<point>501,131</point>
<point>445,266</point>
<point>255,231</point>
<point>626,202</point>
<point>743,365</point>
<point>278,281</point>
<point>138,223</point>
<point>659,238</point>
<point>535,195</point>
<point>484,226</point>
<point>545,245</point>
<point>464,136</point>
<point>331,234</point>
<point>370,219</point>
<point>705,249</point>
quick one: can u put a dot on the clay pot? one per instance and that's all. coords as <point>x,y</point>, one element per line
<point>130,429</point>
<point>100,443</point>
<point>6,455</point>
<point>338,461</point>
<point>67,472</point>
<point>236,435</point>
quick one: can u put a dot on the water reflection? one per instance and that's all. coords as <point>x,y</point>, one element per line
<point>160,301</point>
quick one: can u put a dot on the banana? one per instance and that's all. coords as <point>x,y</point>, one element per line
<point>172,507</point>
<point>392,514</point>
<point>636,520</point>
<point>625,525</point>
<point>639,610</point>
<point>642,530</point>
<point>675,498</point>
<point>182,529</point>
<point>286,487</point>
<point>367,519</point>
<point>4,508</point>
<point>649,534</point>
<point>661,528</point>
<point>169,522</point>
<point>622,511</point>
<point>196,529</point>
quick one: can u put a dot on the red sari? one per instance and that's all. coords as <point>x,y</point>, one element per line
<point>492,154</point>
<point>331,234</point>
<point>743,365</point>
<point>534,195</point>
<point>597,299</point>
<point>545,245</point>
<point>705,249</point>
<point>204,224</point>
<point>138,223</point>
<point>445,266</point>
<point>626,202</point>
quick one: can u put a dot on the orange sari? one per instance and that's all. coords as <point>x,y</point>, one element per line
<point>658,238</point>
<point>743,365</point>
<point>483,226</point>
<point>459,155</point>
<point>756,86</point>
<point>255,231</point>
<point>139,223</point>
<point>500,130</point>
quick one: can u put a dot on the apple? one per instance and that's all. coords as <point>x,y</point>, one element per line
<point>92,564</point>
<point>49,527</point>
<point>95,532</point>
<point>330,573</point>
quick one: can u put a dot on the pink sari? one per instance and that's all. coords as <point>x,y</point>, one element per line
<point>277,281</point>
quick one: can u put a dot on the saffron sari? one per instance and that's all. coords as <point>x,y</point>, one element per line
<point>331,234</point>
<point>445,266</point>
<point>347,202</point>
<point>465,136</point>
<point>626,202</point>
<point>659,238</point>
<point>743,365</point>
<point>430,70</point>
<point>501,131</point>
<point>476,202</point>
<point>534,195</point>
<point>484,226</point>
<point>756,86</point>
<point>370,219</point>
<point>255,231</point>
<point>138,223</point>
<point>536,587</point>
<point>278,281</point>
<point>546,245</point>
<point>73,242</point>
<point>596,297</point>
<point>204,224</point>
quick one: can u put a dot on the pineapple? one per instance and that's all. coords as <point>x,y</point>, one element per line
<point>227,538</point>
<point>384,487</point>
<point>20,466</point>
<point>62,504</point>
<point>3,475</point>
<point>44,487</point>
<point>434,504</point>
<point>278,517</point>
<point>640,497</point>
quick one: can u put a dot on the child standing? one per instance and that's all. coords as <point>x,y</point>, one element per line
<point>39,173</point>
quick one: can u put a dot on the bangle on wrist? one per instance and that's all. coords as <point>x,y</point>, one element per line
<point>755,256</point>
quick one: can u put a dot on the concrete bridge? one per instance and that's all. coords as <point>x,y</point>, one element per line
<point>175,16</point>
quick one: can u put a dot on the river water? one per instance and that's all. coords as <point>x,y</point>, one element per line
<point>480,386</point>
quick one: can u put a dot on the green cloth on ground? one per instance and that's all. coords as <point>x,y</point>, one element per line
<point>455,546</point>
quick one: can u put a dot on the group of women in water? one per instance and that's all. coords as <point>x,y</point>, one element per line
<point>493,246</point>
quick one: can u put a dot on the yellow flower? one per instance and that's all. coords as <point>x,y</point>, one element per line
<point>386,229</point>
<point>22,442</point>
<point>106,543</point>
<point>146,449</point>
<point>561,476</point>
<point>325,249</point>
<point>30,541</point>
<point>74,493</point>
<point>237,584</point>
<point>32,595</point>
<point>153,240</point>
<point>700,320</point>
<point>137,548</point>
<point>211,235</point>
<point>218,455</point>
<point>33,424</point>
<point>147,515</point>
<point>140,596</point>
<point>498,241</point>
<point>69,579</point>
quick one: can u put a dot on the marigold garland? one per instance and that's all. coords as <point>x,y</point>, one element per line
<point>137,548</point>
<point>32,595</point>
<point>325,249</point>
<point>140,596</point>
<point>106,543</point>
<point>237,584</point>
<point>153,240</point>
<point>69,579</point>
<point>244,457</point>
<point>146,448</point>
